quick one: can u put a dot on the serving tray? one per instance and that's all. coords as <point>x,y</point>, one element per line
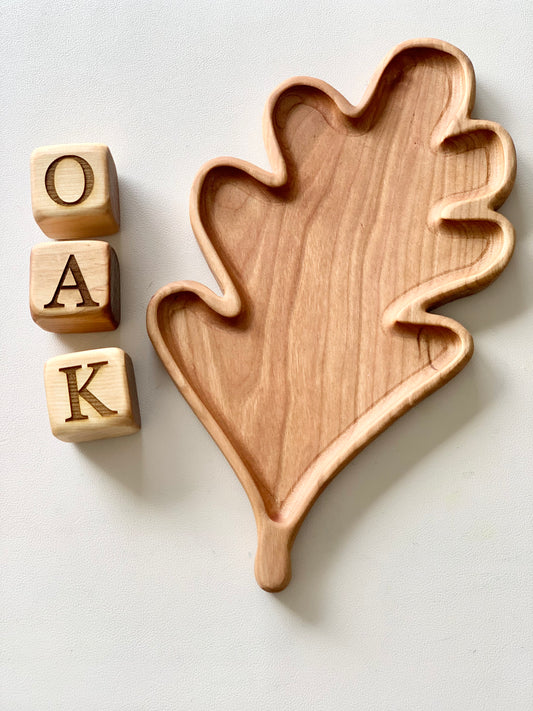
<point>329,269</point>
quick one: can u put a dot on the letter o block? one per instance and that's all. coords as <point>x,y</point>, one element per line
<point>91,395</point>
<point>74,286</point>
<point>74,191</point>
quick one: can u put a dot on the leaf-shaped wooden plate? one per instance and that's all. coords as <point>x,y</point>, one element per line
<point>328,266</point>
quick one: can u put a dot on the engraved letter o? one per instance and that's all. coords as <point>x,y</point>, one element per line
<point>49,180</point>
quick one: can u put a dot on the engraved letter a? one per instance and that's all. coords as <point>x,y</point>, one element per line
<point>72,267</point>
<point>74,392</point>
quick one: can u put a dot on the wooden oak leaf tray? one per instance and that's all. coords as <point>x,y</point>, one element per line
<point>329,266</point>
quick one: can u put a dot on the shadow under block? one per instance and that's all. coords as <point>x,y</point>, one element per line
<point>92,395</point>
<point>75,286</point>
<point>74,191</point>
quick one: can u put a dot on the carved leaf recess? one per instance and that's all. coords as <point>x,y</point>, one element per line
<point>329,268</point>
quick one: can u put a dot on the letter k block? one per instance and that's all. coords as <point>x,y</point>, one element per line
<point>91,395</point>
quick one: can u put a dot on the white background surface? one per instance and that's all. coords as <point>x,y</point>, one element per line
<point>127,565</point>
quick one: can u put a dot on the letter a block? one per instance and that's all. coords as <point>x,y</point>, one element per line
<point>74,191</point>
<point>74,286</point>
<point>91,395</point>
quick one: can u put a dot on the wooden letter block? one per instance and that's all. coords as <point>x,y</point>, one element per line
<point>74,191</point>
<point>75,286</point>
<point>92,395</point>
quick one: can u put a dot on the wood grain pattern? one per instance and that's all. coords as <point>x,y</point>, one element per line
<point>91,395</point>
<point>74,191</point>
<point>328,266</point>
<point>75,286</point>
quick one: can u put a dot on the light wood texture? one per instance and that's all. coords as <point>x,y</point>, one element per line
<point>92,395</point>
<point>75,286</point>
<point>74,191</point>
<point>329,267</point>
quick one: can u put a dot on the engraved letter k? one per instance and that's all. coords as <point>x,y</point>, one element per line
<point>74,392</point>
